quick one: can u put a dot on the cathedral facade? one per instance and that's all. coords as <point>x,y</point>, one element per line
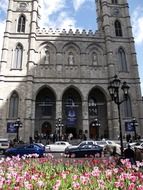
<point>57,78</point>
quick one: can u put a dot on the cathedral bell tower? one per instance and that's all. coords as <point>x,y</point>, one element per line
<point>114,23</point>
<point>21,24</point>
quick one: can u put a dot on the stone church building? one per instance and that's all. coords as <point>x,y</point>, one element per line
<point>57,80</point>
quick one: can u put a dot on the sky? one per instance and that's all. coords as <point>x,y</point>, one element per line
<point>81,14</point>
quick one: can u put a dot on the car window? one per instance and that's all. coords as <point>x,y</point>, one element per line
<point>84,146</point>
<point>62,143</point>
<point>90,143</point>
<point>101,143</point>
<point>30,146</point>
<point>56,143</point>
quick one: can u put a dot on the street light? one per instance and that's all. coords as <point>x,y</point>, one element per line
<point>134,124</point>
<point>113,88</point>
<point>96,123</point>
<point>17,124</point>
<point>59,127</point>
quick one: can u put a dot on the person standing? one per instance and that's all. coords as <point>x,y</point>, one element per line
<point>130,154</point>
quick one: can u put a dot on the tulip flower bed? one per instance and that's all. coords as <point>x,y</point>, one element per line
<point>69,174</point>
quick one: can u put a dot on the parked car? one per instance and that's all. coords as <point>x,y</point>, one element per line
<point>140,146</point>
<point>58,146</point>
<point>90,142</point>
<point>25,149</point>
<point>84,150</point>
<point>4,144</point>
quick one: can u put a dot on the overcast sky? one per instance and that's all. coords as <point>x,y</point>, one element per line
<point>81,14</point>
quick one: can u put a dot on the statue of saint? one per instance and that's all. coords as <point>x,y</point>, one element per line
<point>71,59</point>
<point>47,57</point>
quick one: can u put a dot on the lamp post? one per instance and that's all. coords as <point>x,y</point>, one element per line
<point>134,124</point>
<point>17,124</point>
<point>59,127</point>
<point>114,90</point>
<point>96,123</point>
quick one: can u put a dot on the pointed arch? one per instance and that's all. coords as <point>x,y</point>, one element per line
<point>21,23</point>
<point>95,54</point>
<point>97,108</point>
<point>45,103</point>
<point>72,52</point>
<point>72,110</point>
<point>122,60</point>
<point>13,105</point>
<point>18,54</point>
<point>118,28</point>
<point>47,53</point>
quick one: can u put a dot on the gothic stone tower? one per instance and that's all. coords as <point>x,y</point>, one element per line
<point>51,74</point>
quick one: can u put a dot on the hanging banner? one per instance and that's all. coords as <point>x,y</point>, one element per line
<point>129,127</point>
<point>11,128</point>
<point>71,116</point>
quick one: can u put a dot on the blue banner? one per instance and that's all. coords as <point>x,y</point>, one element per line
<point>11,128</point>
<point>71,116</point>
<point>129,127</point>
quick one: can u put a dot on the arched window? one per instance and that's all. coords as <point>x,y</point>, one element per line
<point>17,64</point>
<point>127,108</point>
<point>122,60</point>
<point>21,24</point>
<point>118,28</point>
<point>13,105</point>
<point>92,107</point>
<point>114,1</point>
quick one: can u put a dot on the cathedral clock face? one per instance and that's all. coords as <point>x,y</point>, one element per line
<point>23,6</point>
<point>116,11</point>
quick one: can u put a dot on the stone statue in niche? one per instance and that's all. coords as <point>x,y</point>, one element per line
<point>94,59</point>
<point>47,57</point>
<point>71,59</point>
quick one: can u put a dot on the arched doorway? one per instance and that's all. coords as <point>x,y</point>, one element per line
<point>72,111</point>
<point>45,111</point>
<point>97,110</point>
<point>93,131</point>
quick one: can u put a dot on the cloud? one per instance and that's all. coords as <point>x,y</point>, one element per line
<point>78,3</point>
<point>3,5</point>
<point>137,24</point>
<point>58,14</point>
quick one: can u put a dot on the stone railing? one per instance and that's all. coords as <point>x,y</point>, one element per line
<point>70,32</point>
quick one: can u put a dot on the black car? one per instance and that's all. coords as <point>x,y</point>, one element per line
<point>85,150</point>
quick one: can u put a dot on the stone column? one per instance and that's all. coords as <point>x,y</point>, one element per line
<point>85,117</point>
<point>113,122</point>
